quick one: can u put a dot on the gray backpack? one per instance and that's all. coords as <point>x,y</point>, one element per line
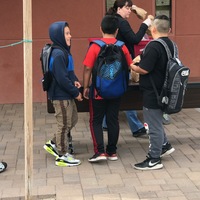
<point>171,97</point>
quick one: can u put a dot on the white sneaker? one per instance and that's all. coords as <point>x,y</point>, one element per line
<point>50,147</point>
<point>3,166</point>
<point>67,160</point>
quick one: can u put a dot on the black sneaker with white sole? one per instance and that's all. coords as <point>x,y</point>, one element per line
<point>149,164</point>
<point>167,149</point>
<point>139,132</point>
<point>98,157</point>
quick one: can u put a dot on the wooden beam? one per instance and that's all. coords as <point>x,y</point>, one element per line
<point>28,102</point>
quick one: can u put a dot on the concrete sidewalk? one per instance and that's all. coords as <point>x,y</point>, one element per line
<point>109,180</point>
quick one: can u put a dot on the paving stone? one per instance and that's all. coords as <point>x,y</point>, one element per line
<point>117,180</point>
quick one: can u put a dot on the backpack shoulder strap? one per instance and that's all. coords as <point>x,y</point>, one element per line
<point>63,50</point>
<point>167,48</point>
<point>102,43</point>
<point>176,54</point>
<point>169,55</point>
<point>58,47</point>
<point>99,42</point>
<point>119,43</point>
<point>66,54</point>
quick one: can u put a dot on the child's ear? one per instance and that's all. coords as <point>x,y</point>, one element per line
<point>101,30</point>
<point>153,30</point>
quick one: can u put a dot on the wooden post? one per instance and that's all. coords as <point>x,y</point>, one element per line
<point>28,103</point>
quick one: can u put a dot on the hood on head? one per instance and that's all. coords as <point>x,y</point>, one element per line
<point>56,34</point>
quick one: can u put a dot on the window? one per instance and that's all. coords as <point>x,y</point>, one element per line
<point>163,7</point>
<point>109,3</point>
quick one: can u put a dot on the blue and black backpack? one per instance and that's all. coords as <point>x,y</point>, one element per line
<point>110,74</point>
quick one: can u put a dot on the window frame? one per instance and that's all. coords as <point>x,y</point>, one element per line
<point>172,14</point>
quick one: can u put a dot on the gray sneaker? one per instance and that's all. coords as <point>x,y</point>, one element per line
<point>67,160</point>
<point>166,119</point>
<point>50,147</point>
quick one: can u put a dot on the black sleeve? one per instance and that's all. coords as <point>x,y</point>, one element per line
<point>149,57</point>
<point>128,34</point>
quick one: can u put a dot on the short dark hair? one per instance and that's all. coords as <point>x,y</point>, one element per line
<point>109,24</point>
<point>164,17</point>
<point>162,23</point>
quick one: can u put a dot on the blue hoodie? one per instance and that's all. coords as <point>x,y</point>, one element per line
<point>61,66</point>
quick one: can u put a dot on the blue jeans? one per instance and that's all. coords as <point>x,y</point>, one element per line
<point>133,121</point>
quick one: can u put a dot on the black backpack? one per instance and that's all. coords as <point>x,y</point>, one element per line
<point>110,74</point>
<point>45,58</point>
<point>171,97</point>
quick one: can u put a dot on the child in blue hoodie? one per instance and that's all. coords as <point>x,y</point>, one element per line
<point>62,92</point>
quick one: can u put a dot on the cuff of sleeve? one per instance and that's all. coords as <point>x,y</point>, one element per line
<point>147,22</point>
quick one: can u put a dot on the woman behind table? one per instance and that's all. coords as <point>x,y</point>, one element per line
<point>122,9</point>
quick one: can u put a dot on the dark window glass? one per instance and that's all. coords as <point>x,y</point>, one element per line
<point>109,3</point>
<point>163,7</point>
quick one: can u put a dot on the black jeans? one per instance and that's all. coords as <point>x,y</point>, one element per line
<point>109,108</point>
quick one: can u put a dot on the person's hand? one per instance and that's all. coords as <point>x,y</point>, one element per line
<point>79,97</point>
<point>86,93</point>
<point>140,12</point>
<point>151,17</point>
<point>134,76</point>
<point>149,20</point>
<point>136,59</point>
<point>77,84</point>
